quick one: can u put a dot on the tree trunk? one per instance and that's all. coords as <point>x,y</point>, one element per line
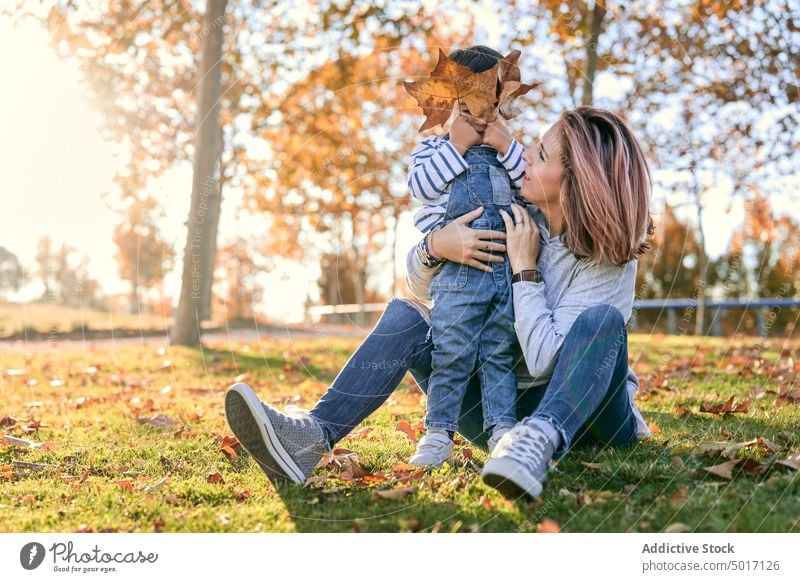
<point>590,67</point>
<point>702,260</point>
<point>204,211</point>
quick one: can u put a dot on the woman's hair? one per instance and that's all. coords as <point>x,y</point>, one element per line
<point>605,187</point>
<point>477,58</point>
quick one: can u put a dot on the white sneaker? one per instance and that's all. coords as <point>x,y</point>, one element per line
<point>433,450</point>
<point>497,433</point>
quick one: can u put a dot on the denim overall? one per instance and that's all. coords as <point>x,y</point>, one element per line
<point>472,319</point>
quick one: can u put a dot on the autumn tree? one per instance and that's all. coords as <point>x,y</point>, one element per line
<point>237,289</point>
<point>65,276</point>
<point>340,134</point>
<point>143,256</point>
<point>11,273</point>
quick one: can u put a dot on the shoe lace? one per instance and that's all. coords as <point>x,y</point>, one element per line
<point>298,416</point>
<point>525,445</point>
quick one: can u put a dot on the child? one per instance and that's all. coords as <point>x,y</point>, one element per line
<point>472,319</point>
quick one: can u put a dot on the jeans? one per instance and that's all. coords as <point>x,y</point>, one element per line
<point>473,313</point>
<point>586,398</point>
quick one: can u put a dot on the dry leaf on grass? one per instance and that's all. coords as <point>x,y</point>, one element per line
<point>405,428</point>
<point>230,447</point>
<point>728,407</point>
<point>215,478</point>
<point>548,525</point>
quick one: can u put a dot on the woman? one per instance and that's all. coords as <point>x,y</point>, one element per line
<point>574,253</point>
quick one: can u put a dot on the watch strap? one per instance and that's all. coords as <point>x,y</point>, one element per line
<point>533,275</point>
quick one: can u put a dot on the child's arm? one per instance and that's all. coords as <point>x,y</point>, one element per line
<point>509,150</point>
<point>435,162</point>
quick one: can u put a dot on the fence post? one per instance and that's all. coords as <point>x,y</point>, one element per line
<point>672,325</point>
<point>715,328</point>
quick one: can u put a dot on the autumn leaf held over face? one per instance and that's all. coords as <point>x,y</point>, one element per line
<point>495,89</point>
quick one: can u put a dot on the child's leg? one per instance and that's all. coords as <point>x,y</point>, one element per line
<point>459,308</point>
<point>498,355</point>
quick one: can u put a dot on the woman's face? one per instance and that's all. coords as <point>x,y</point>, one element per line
<point>541,183</point>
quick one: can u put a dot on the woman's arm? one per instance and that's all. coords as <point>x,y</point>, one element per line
<point>454,242</point>
<point>541,328</point>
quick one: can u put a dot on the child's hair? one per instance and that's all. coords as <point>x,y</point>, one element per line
<point>477,58</point>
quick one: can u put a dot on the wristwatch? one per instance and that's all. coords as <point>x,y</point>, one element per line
<point>424,254</point>
<point>533,275</point>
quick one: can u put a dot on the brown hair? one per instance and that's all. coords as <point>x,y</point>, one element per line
<point>605,187</point>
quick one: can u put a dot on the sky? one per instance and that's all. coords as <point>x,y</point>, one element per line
<point>55,168</point>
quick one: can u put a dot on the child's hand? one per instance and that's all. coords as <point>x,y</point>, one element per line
<point>497,136</point>
<point>462,135</point>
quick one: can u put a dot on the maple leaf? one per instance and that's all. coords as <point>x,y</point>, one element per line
<point>511,87</point>
<point>496,88</point>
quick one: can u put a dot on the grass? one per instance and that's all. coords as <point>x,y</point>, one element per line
<point>100,469</point>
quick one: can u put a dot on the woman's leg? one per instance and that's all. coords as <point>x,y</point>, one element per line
<point>399,341</point>
<point>288,447</point>
<point>586,398</point>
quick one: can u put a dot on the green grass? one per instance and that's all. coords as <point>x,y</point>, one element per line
<point>98,461</point>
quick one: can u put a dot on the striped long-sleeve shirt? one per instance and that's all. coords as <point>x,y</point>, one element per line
<point>435,163</point>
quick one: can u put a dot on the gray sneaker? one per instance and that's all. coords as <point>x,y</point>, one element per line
<point>287,448</point>
<point>519,462</point>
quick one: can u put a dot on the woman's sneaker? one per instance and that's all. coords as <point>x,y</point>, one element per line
<point>287,448</point>
<point>497,433</point>
<point>519,463</point>
<point>433,449</point>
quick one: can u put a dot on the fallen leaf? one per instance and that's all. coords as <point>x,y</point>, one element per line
<point>654,428</point>
<point>153,487</point>
<point>360,432</point>
<point>677,527</point>
<point>394,494</point>
<point>727,407</point>
<point>484,502</point>
<point>593,466</point>
<point>317,479</point>
<point>792,461</point>
<point>403,468</point>
<point>158,525</point>
<point>788,395</point>
<point>230,447</point>
<point>680,495</point>
<point>548,525</point>
<point>215,478</point>
<point>8,421</point>
<point>404,427</point>
<point>125,484</point>
<point>724,470</point>
<point>15,442</point>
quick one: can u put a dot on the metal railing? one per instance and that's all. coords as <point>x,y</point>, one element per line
<point>715,309</point>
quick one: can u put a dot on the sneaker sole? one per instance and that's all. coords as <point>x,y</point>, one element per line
<point>252,428</point>
<point>507,478</point>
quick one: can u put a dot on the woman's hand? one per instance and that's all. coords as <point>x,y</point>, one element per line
<point>462,244</point>
<point>522,239</point>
